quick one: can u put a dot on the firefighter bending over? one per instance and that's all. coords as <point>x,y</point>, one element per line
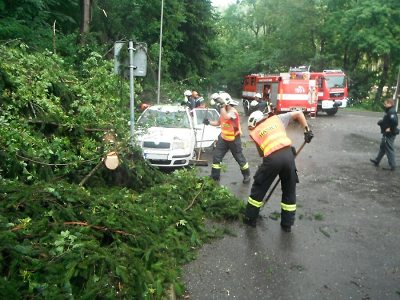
<point>229,139</point>
<point>273,144</point>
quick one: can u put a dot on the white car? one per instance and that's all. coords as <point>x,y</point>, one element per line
<point>166,135</point>
<point>170,134</point>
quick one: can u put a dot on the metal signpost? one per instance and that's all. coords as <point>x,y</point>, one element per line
<point>137,64</point>
<point>131,90</point>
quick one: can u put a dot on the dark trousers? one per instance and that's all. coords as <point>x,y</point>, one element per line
<point>280,163</point>
<point>221,148</point>
<point>387,147</point>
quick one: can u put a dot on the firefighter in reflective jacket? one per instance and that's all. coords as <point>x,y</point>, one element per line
<point>229,139</point>
<point>273,144</point>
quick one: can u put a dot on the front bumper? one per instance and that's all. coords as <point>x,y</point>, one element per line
<point>164,160</point>
<point>330,104</point>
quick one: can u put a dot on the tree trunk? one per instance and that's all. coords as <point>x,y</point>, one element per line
<point>85,18</point>
<point>382,82</point>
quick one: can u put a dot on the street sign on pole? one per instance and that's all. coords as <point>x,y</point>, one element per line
<point>136,62</point>
<point>140,60</point>
<point>122,59</point>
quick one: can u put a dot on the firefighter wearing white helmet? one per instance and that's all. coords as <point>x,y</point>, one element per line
<point>229,139</point>
<point>273,144</point>
<point>259,104</point>
<point>188,99</point>
<point>255,118</point>
<point>192,99</point>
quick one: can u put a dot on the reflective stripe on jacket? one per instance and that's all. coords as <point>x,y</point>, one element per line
<point>270,135</point>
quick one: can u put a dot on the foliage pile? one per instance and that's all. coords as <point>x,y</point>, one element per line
<point>62,241</point>
<point>126,233</point>
<point>53,117</point>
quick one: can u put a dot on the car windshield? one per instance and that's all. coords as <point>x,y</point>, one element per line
<point>335,81</point>
<point>159,118</point>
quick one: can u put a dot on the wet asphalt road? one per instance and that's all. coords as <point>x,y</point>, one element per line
<point>346,239</point>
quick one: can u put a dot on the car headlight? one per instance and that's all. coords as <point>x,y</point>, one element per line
<point>178,143</point>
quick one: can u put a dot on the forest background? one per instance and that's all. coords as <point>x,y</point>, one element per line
<point>70,227</point>
<point>205,49</point>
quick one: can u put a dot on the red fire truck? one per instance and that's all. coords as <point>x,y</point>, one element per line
<point>285,92</point>
<point>332,90</point>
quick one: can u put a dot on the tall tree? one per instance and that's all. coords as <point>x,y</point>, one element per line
<point>370,31</point>
<point>86,15</point>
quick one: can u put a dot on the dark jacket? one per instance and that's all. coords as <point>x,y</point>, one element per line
<point>389,120</point>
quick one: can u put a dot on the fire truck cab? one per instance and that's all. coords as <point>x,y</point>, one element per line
<point>332,90</point>
<point>284,92</point>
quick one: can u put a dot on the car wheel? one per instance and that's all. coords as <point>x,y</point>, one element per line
<point>332,111</point>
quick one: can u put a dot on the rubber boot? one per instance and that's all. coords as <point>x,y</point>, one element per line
<point>287,220</point>
<point>246,175</point>
<point>250,215</point>
<point>215,174</point>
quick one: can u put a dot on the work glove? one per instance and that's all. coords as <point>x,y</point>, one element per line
<point>254,103</point>
<point>308,135</point>
<point>206,121</point>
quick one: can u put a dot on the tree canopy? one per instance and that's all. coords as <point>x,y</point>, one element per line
<point>205,49</point>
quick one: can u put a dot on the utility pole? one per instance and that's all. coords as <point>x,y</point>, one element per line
<point>396,92</point>
<point>159,56</point>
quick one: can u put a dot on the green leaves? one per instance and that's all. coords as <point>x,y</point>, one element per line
<point>52,117</point>
<point>130,247</point>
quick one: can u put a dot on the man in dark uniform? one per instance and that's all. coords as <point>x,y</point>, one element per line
<point>273,144</point>
<point>389,131</point>
<point>229,139</point>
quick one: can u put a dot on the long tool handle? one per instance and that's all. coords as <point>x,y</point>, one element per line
<point>279,180</point>
<point>202,137</point>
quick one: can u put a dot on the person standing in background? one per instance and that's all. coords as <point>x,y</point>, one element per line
<point>389,131</point>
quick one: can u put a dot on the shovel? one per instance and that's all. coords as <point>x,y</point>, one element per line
<point>198,161</point>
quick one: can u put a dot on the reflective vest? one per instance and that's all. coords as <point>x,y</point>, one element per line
<point>230,128</point>
<point>270,135</point>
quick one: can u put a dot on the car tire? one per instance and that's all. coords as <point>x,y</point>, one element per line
<point>332,111</point>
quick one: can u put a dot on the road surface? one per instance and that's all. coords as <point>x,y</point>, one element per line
<point>346,239</point>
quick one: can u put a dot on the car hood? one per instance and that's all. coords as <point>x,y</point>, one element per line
<point>162,134</point>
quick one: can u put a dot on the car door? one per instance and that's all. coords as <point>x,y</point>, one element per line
<point>206,135</point>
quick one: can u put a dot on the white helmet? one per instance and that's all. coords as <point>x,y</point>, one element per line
<point>214,96</point>
<point>228,99</point>
<point>232,102</point>
<point>187,93</point>
<point>258,95</point>
<point>225,96</point>
<point>255,118</point>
